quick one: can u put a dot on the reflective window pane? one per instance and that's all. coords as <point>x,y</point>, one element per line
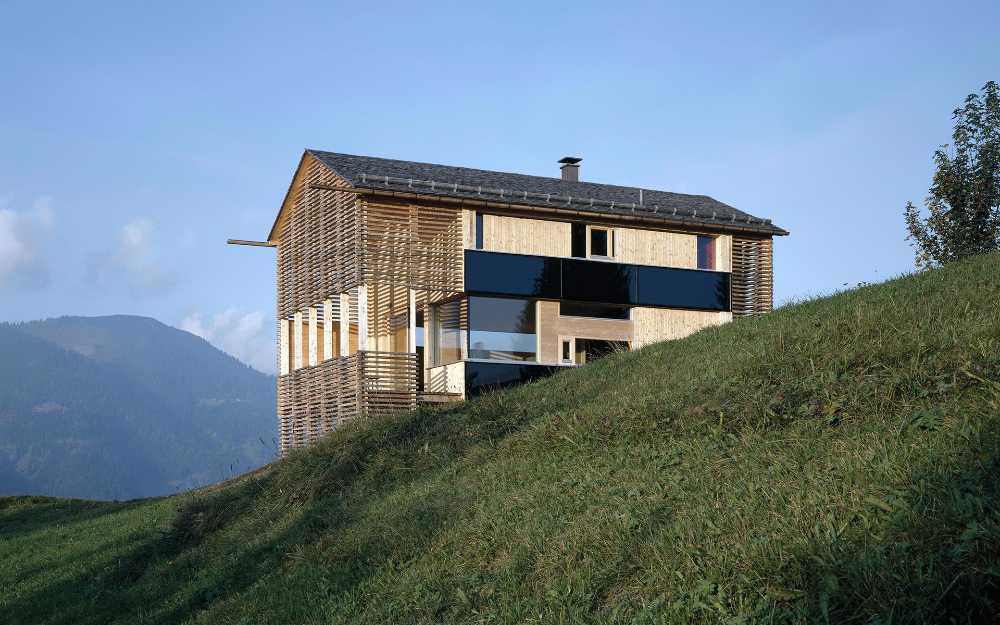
<point>512,274</point>
<point>579,240</point>
<point>502,329</point>
<point>596,281</point>
<point>706,252</point>
<point>420,328</point>
<point>593,309</point>
<point>487,376</point>
<point>575,279</point>
<point>449,332</point>
<point>599,242</point>
<point>683,288</point>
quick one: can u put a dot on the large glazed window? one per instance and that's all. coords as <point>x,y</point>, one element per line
<point>502,329</point>
<point>494,273</point>
<point>589,281</point>
<point>575,279</point>
<point>448,334</point>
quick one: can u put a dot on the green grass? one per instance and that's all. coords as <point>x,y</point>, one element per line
<point>836,461</point>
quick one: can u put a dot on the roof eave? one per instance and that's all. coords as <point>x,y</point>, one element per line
<point>722,226</point>
<point>364,187</point>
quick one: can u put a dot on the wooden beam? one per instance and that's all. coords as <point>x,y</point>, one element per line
<point>411,330</point>
<point>345,324</point>
<point>298,341</point>
<point>362,318</point>
<point>328,329</point>
<point>251,243</point>
<point>284,346</point>
<point>314,340</point>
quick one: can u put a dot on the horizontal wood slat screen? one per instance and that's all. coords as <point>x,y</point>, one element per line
<point>418,247</point>
<point>388,382</point>
<point>312,401</point>
<point>318,241</point>
<point>752,281</point>
<point>331,242</point>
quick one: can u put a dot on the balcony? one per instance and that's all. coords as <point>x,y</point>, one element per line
<point>314,400</point>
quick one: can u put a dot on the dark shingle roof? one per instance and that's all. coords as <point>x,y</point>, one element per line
<point>464,182</point>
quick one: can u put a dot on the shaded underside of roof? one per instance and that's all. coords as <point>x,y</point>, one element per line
<point>522,189</point>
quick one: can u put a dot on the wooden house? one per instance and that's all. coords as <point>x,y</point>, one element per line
<point>402,282</point>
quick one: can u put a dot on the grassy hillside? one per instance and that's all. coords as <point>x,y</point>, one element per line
<point>835,461</point>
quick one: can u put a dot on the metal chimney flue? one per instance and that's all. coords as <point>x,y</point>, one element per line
<point>570,168</point>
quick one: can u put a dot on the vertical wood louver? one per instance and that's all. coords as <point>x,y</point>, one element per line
<point>752,277</point>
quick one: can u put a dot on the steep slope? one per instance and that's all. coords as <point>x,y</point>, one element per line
<point>835,461</point>
<point>121,407</point>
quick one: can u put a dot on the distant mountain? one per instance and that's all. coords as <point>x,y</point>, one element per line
<point>121,407</point>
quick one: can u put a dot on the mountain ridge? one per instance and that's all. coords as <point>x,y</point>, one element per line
<point>121,406</point>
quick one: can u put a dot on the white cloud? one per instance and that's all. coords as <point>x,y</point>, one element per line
<point>245,335</point>
<point>135,258</point>
<point>24,238</point>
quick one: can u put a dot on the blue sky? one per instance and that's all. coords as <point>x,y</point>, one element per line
<point>135,139</point>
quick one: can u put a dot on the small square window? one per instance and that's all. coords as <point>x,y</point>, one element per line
<point>601,243</point>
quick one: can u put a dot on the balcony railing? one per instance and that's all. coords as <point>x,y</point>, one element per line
<point>312,401</point>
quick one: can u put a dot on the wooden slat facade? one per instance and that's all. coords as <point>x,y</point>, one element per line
<point>752,282</point>
<point>352,267</point>
<point>333,242</point>
<point>312,401</point>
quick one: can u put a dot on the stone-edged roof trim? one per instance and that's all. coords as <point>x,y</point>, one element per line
<point>521,189</point>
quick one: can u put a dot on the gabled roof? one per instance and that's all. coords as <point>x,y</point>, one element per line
<point>521,189</point>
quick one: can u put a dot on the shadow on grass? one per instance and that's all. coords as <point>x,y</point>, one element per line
<point>173,576</point>
<point>23,515</point>
<point>935,558</point>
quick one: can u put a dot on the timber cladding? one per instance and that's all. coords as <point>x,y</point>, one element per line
<point>545,237</point>
<point>361,251</point>
<point>752,284</point>
<point>446,379</point>
<point>330,242</point>
<point>519,235</point>
<point>552,327</point>
<point>313,400</point>
<point>656,248</point>
<point>414,246</point>
<point>317,240</point>
<point>661,324</point>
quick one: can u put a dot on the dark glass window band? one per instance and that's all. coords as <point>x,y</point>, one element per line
<point>495,273</point>
<point>486,376</point>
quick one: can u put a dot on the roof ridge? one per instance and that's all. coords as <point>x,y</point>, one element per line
<point>514,173</point>
<point>597,197</point>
